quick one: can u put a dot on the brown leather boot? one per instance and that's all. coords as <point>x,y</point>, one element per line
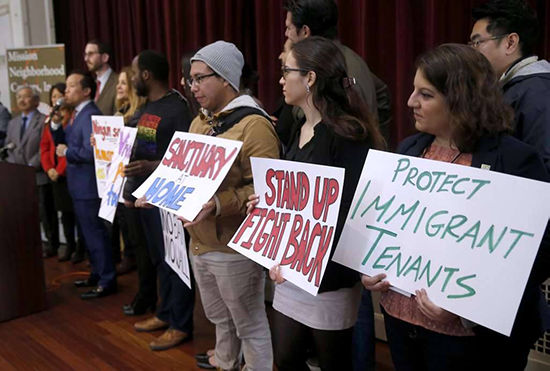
<point>150,324</point>
<point>169,339</point>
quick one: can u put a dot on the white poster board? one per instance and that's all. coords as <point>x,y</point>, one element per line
<point>468,236</point>
<point>190,173</point>
<point>105,130</point>
<point>294,223</point>
<point>175,249</point>
<point>115,179</point>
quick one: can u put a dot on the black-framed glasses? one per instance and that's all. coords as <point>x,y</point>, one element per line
<point>199,79</point>
<point>477,42</point>
<point>286,70</point>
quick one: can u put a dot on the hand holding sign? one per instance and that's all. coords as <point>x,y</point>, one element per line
<point>207,210</point>
<point>432,311</point>
<point>375,283</point>
<point>140,168</point>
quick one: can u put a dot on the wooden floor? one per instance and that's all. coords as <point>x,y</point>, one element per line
<point>95,335</point>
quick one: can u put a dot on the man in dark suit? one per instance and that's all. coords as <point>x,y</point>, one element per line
<point>97,56</point>
<point>82,185</point>
<point>24,133</point>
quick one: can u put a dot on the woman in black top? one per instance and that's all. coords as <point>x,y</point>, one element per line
<point>337,131</point>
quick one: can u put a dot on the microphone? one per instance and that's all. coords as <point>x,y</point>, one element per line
<point>56,108</point>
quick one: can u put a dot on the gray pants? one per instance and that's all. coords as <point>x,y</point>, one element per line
<point>232,292</point>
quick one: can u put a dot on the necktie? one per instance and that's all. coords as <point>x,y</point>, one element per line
<point>73,115</point>
<point>98,85</point>
<point>23,126</point>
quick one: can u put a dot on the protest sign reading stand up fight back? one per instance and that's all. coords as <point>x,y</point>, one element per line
<point>294,223</point>
<point>468,236</point>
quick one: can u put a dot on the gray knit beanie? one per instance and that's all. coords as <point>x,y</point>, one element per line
<point>223,58</point>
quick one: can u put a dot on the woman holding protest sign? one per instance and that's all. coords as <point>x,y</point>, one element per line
<point>463,119</point>
<point>54,166</point>
<point>337,130</point>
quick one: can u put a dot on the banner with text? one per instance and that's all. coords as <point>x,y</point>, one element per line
<point>468,236</point>
<point>40,67</point>
<point>293,224</point>
<point>190,173</point>
<point>175,249</point>
<point>112,192</point>
<point>106,130</point>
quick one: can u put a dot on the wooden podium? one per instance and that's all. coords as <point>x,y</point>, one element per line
<point>22,286</point>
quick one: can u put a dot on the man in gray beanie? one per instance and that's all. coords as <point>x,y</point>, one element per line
<point>231,285</point>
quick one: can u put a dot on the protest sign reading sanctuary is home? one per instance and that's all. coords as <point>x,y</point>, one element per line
<point>294,223</point>
<point>468,236</point>
<point>189,174</point>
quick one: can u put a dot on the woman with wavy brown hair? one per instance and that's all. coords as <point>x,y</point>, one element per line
<point>462,118</point>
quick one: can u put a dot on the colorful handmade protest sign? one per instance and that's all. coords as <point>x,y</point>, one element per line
<point>105,130</point>
<point>468,236</point>
<point>191,171</point>
<point>175,249</point>
<point>294,223</point>
<point>115,180</point>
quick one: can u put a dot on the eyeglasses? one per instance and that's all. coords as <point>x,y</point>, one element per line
<point>89,54</point>
<point>476,43</point>
<point>198,79</point>
<point>286,70</point>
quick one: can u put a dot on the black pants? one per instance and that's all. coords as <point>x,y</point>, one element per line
<point>177,300</point>
<point>414,348</point>
<point>48,215</point>
<point>69,222</point>
<point>291,340</point>
<point>128,233</point>
<point>147,272</point>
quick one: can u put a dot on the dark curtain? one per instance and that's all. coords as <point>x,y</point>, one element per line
<point>388,34</point>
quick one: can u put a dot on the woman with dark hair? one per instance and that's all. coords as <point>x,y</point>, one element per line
<point>462,119</point>
<point>337,130</point>
<point>52,135</point>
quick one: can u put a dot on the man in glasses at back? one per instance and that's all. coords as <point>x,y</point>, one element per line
<point>506,33</point>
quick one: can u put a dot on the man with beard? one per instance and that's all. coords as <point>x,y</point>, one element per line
<point>81,181</point>
<point>97,56</point>
<point>165,112</point>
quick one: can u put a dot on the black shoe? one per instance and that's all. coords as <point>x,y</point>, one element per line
<point>77,257</point>
<point>50,252</point>
<point>138,308</point>
<point>206,365</point>
<point>67,255</point>
<point>88,282</point>
<point>98,292</point>
<point>202,357</point>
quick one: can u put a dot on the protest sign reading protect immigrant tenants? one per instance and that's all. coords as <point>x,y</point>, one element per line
<point>468,236</point>
<point>175,249</point>
<point>115,180</point>
<point>106,130</point>
<point>294,223</point>
<point>190,173</point>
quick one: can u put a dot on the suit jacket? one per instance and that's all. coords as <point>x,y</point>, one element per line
<point>508,155</point>
<point>81,178</point>
<point>27,149</point>
<point>107,99</point>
